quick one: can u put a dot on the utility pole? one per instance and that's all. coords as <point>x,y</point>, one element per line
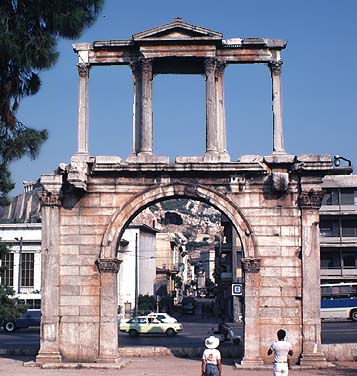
<point>20,265</point>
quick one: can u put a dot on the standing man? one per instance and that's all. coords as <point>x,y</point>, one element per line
<point>281,349</point>
<point>211,358</point>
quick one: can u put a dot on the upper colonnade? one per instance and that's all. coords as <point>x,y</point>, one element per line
<point>179,48</point>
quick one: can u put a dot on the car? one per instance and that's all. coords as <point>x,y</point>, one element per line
<point>163,316</point>
<point>149,325</point>
<point>31,318</point>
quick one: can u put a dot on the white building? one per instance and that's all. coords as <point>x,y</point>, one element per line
<point>23,263</point>
<point>23,272</point>
<point>137,272</point>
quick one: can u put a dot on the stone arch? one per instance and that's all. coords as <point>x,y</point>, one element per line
<point>212,197</point>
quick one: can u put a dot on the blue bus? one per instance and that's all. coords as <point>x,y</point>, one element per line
<point>339,301</point>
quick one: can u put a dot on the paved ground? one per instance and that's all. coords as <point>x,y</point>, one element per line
<point>163,366</point>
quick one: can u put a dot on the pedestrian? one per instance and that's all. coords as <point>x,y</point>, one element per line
<point>211,358</point>
<point>281,350</point>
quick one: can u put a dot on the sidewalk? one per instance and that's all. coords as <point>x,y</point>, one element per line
<point>162,366</point>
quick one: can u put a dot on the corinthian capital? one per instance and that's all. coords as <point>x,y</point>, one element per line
<point>210,64</point>
<point>251,264</point>
<point>50,199</point>
<point>83,69</point>
<point>275,67</point>
<point>108,265</point>
<point>311,199</point>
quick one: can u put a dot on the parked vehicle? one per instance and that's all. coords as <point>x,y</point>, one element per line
<point>163,316</point>
<point>32,318</point>
<point>149,325</point>
<point>339,301</point>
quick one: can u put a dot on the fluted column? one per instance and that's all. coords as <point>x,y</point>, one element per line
<point>137,81</point>
<point>211,106</point>
<point>146,124</point>
<point>83,109</point>
<point>278,138</point>
<point>221,113</point>
<point>310,202</point>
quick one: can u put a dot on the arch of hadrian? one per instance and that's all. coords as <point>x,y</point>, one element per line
<point>272,201</point>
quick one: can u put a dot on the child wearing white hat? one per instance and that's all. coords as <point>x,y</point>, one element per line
<point>211,358</point>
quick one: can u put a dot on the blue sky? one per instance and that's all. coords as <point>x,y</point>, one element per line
<point>319,85</point>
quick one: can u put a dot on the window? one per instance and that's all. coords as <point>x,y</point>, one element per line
<point>349,259</point>
<point>349,227</point>
<point>330,259</point>
<point>330,197</point>
<point>8,264</point>
<point>347,196</point>
<point>329,228</point>
<point>27,269</point>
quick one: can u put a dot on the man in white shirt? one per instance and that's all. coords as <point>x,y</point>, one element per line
<point>281,349</point>
<point>211,358</point>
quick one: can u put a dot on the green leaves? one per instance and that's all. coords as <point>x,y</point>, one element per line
<point>29,32</point>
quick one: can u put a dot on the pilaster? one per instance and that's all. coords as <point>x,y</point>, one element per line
<point>251,268</point>
<point>108,326</point>
<point>50,200</point>
<point>310,202</point>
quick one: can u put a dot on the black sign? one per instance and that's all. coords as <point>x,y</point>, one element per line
<point>237,289</point>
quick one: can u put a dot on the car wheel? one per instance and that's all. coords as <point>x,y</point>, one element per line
<point>133,333</point>
<point>354,315</point>
<point>170,332</point>
<point>9,326</point>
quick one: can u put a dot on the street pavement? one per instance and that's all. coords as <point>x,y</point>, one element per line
<point>160,366</point>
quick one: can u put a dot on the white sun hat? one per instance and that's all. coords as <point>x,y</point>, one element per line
<point>211,342</point>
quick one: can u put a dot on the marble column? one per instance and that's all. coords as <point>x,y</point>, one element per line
<point>146,124</point>
<point>83,109</point>
<point>278,138</point>
<point>251,268</point>
<point>49,332</point>
<point>108,326</point>
<point>221,113</point>
<point>310,202</point>
<point>137,81</point>
<point>211,107</point>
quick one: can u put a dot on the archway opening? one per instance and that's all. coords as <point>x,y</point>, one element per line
<point>182,256</point>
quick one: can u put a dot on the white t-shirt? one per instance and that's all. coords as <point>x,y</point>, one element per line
<point>281,350</point>
<point>211,356</point>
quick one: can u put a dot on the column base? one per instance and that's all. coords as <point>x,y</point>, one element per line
<point>251,363</point>
<point>48,357</point>
<point>108,359</point>
<point>147,158</point>
<point>215,156</point>
<point>316,360</point>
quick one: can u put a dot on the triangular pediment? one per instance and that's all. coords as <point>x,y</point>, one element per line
<point>177,30</point>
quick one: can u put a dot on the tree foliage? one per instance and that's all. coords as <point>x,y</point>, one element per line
<point>10,308</point>
<point>29,32</point>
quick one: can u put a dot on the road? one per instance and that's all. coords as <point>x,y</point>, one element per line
<point>193,335</point>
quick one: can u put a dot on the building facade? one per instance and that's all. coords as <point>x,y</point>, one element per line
<point>23,263</point>
<point>338,230</point>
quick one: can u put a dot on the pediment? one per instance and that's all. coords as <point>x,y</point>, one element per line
<point>177,30</point>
